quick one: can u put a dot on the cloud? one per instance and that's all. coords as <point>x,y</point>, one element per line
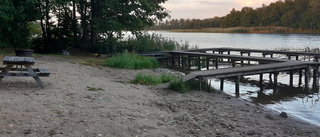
<point>201,9</point>
<point>253,3</point>
<point>198,8</point>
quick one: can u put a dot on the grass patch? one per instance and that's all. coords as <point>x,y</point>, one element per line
<point>131,61</point>
<point>149,79</point>
<point>94,89</point>
<point>193,84</point>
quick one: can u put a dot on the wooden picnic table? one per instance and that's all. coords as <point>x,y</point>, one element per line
<point>23,69</point>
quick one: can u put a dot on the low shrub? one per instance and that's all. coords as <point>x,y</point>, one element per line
<point>193,84</point>
<point>131,61</point>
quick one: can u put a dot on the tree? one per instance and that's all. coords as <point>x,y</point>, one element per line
<point>14,17</point>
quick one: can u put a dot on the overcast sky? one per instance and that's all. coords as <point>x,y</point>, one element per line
<point>201,9</point>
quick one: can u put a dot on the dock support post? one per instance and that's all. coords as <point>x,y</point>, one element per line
<point>300,77</point>
<point>237,86</point>
<point>183,61</point>
<point>261,82</point>
<point>208,62</point>
<point>179,61</point>
<point>233,63</point>
<point>291,78</point>
<point>217,63</point>
<point>172,60</point>
<point>315,78</point>
<point>189,62</point>
<point>275,84</point>
<point>297,57</point>
<point>270,78</point>
<point>221,84</point>
<point>249,56</point>
<point>306,78</point>
<point>199,61</point>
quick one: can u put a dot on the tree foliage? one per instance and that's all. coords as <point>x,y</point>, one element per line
<point>14,18</point>
<point>87,24</point>
<point>303,14</point>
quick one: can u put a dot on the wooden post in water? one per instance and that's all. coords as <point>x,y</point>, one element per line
<point>199,61</point>
<point>221,84</point>
<point>300,77</point>
<point>270,77</point>
<point>217,63</point>
<point>261,82</point>
<point>275,84</point>
<point>297,57</point>
<point>237,86</point>
<point>208,63</point>
<point>306,78</point>
<point>233,63</point>
<point>249,56</point>
<point>291,78</point>
<point>315,78</point>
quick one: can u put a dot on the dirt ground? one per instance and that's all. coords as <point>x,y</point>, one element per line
<point>67,107</point>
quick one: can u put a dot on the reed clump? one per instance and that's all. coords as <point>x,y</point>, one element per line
<point>131,61</point>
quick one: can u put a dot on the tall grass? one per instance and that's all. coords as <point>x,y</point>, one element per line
<point>131,61</point>
<point>149,79</point>
<point>153,42</point>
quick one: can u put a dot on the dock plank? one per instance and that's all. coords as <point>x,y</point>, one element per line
<point>247,70</point>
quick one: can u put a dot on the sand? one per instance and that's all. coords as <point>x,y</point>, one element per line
<point>67,108</point>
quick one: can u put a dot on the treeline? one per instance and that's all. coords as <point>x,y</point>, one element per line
<point>302,14</point>
<point>93,25</point>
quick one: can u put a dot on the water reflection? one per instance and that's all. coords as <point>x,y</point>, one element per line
<point>296,101</point>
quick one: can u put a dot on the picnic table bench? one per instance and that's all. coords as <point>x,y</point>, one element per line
<point>23,69</point>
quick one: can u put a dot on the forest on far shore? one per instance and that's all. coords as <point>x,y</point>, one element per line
<point>296,14</point>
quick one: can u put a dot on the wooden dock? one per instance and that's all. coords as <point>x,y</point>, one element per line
<point>244,65</point>
<point>247,70</point>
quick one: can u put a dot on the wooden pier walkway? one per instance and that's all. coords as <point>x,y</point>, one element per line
<point>249,65</point>
<point>247,70</point>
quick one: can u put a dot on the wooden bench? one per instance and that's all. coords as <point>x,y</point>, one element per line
<point>43,72</point>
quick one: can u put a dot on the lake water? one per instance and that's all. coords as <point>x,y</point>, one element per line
<point>290,100</point>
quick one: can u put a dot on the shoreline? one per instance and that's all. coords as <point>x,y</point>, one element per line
<point>67,108</point>
<point>247,30</point>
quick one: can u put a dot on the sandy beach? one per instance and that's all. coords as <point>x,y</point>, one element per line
<point>67,107</point>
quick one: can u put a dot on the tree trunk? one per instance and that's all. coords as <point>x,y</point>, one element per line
<point>84,24</point>
<point>74,25</point>
<point>92,23</point>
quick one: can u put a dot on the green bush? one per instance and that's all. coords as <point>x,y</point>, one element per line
<point>131,61</point>
<point>179,85</point>
<point>148,79</point>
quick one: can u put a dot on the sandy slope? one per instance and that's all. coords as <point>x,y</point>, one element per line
<point>67,108</point>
